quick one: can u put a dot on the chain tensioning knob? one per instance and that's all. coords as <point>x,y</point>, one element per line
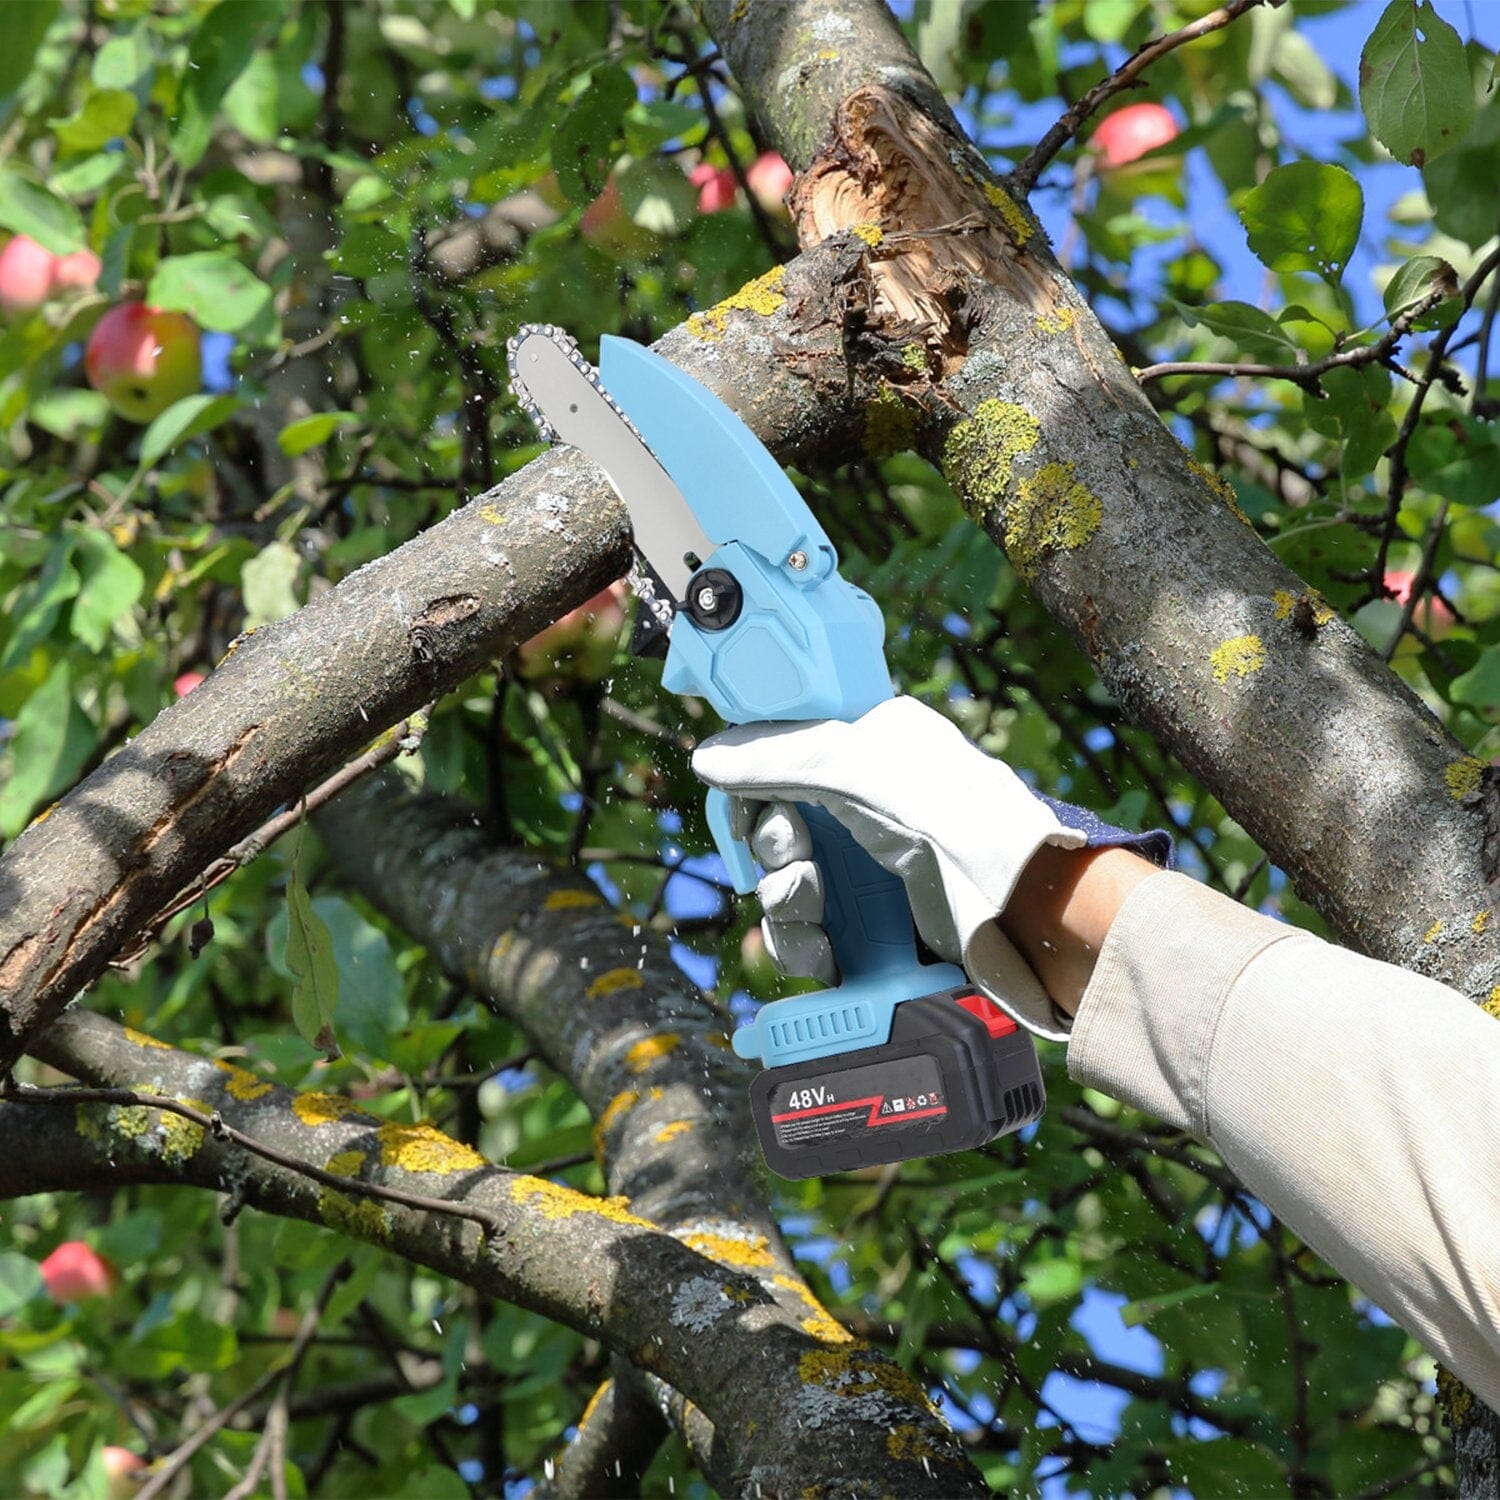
<point>714,599</point>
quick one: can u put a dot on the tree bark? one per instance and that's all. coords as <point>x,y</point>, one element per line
<point>773,1381</point>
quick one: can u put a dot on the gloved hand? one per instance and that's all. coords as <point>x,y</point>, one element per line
<point>956,825</point>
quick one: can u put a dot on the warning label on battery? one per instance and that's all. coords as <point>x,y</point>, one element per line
<point>817,1108</point>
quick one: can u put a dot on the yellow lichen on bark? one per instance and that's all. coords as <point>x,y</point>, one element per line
<point>823,1326</point>
<point>871,234</point>
<point>1319,609</point>
<point>645,1052</point>
<point>1481,920</point>
<point>362,1218</point>
<point>1491,1007</point>
<point>243,1084</point>
<point>322,1109</point>
<point>142,1040</point>
<point>180,1137</point>
<point>1463,777</point>
<point>909,1442</point>
<point>553,1200</point>
<point>753,1254</point>
<point>1053,512</point>
<point>1014,216</point>
<point>421,1148</point>
<point>571,900</point>
<point>979,452</point>
<point>763,296</point>
<point>1431,935</point>
<point>1239,656</point>
<point>1060,320</point>
<point>672,1131</point>
<point>612,981</point>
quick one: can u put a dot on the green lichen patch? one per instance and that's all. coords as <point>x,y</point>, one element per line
<point>1463,777</point>
<point>1053,511</point>
<point>1239,656</point>
<point>979,453</point>
<point>890,425</point>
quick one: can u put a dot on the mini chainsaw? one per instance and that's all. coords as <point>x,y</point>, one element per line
<point>904,1058</point>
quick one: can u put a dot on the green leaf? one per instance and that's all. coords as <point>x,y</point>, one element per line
<point>1354,409</point>
<point>1305,216</point>
<point>185,1343</point>
<point>25,26</point>
<point>1414,83</point>
<point>1415,280</point>
<point>311,432</point>
<point>52,739</point>
<point>20,1281</point>
<point>270,584</point>
<point>36,608</point>
<point>372,998</point>
<point>223,46</point>
<point>583,147</point>
<point>1456,208</point>
<point>213,288</point>
<point>123,61</point>
<point>84,178</point>
<point>1480,685</point>
<point>105,114</point>
<point>1133,1314</point>
<point>183,420</point>
<point>367,250</point>
<point>111,583</point>
<point>315,976</point>
<point>1224,1467</point>
<point>29,209</point>
<point>1251,331</point>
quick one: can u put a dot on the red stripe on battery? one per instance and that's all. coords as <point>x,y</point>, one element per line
<point>828,1109</point>
<point>906,1114</point>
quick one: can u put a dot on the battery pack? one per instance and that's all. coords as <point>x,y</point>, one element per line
<point>955,1073</point>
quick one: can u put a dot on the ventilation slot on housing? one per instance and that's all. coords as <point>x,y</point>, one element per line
<point>833,1023</point>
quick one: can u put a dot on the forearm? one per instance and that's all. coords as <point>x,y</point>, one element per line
<point>1355,1099</point>
<point>1062,909</point>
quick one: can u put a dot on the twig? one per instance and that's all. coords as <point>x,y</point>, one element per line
<point>1025,176</point>
<point>405,737</point>
<point>179,1458</point>
<point>215,1123</point>
<point>1436,357</point>
<point>1308,375</point>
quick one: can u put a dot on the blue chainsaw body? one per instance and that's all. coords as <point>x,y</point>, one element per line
<point>806,644</point>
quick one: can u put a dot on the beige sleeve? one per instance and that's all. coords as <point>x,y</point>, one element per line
<point>1355,1099</point>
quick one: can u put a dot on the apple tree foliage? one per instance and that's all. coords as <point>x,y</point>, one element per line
<point>357,204</point>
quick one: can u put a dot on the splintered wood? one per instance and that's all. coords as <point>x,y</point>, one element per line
<point>933,223</point>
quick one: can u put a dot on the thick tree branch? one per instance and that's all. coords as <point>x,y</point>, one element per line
<point>736,1342</point>
<point>608,1008</point>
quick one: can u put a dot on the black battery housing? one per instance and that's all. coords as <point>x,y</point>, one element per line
<point>955,1073</point>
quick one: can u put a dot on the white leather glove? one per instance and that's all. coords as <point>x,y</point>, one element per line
<point>957,826</point>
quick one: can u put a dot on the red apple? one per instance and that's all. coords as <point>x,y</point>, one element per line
<point>581,645</point>
<point>75,1271</point>
<point>1430,615</point>
<point>80,269</point>
<point>185,682</point>
<point>715,186</point>
<point>1133,131</point>
<point>771,180</point>
<point>26,274</point>
<point>143,359</point>
<point>119,1465</point>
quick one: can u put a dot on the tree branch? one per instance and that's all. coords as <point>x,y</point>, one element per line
<point>1023,179</point>
<point>591,1264</point>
